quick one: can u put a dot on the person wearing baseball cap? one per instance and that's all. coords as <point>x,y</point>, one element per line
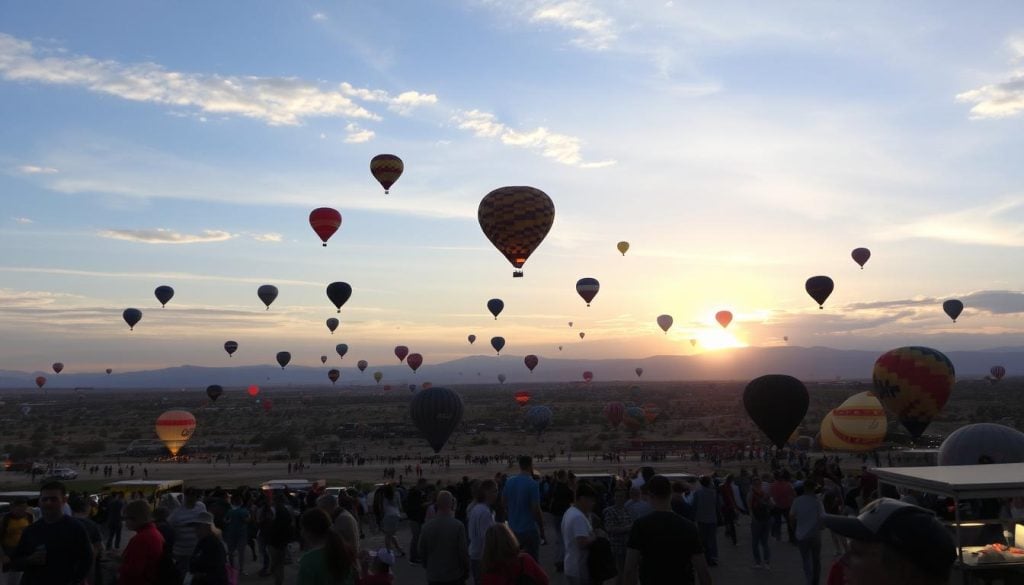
<point>894,543</point>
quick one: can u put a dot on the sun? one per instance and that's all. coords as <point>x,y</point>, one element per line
<point>717,339</point>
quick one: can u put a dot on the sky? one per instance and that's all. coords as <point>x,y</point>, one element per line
<point>739,147</point>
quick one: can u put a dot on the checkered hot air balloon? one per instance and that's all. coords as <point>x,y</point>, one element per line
<point>914,383</point>
<point>516,220</point>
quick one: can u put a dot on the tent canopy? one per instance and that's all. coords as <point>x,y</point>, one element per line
<point>1002,480</point>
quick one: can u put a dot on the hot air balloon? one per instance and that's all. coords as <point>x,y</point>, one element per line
<point>214,391</point>
<point>634,418</point>
<point>588,376</point>
<point>858,424</point>
<point>386,168</point>
<point>614,411</point>
<point>110,371</point>
<point>436,412</point>
<point>332,324</point>
<point>785,338</point>
<point>472,339</point>
<point>861,256</point>
<point>324,221</point>
<point>723,318</point>
<point>338,293</point>
<point>333,375</point>
<point>623,247</point>
<point>639,372</point>
<point>587,289</point>
<point>516,220</point>
<point>665,322</point>
<point>131,317</point>
<point>268,404</point>
<point>914,383</point>
<point>25,409</point>
<point>283,357</point>
<point>953,308</point>
<point>58,367</point>
<point>427,385</point>
<point>414,361</point>
<point>230,347</point>
<point>531,361</point>
<point>997,372</point>
<point>559,348</point>
<point>994,443</point>
<point>377,376</point>
<point>819,287</point>
<point>175,428</point>
<point>40,381</point>
<point>693,343</point>
<point>495,306</point>
<point>362,364</point>
<point>323,359</point>
<point>538,418</point>
<point>164,294</point>
<point>522,397</point>
<point>342,349</point>
<point>253,390</point>
<point>412,387</point>
<point>497,343</point>
<point>267,293</point>
<point>651,412</point>
<point>570,323</point>
<point>776,403</point>
<point>400,352</point>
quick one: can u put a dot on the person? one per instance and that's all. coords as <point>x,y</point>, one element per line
<point>185,538</point>
<point>330,560</point>
<point>637,506</point>
<point>444,549</point>
<point>663,546</point>
<point>236,532</point>
<point>376,570</point>
<point>782,494</point>
<point>521,500</point>
<point>578,535</point>
<point>208,564</point>
<point>503,562</point>
<point>894,542</point>
<point>80,512</point>
<point>346,524</point>
<point>12,524</point>
<point>760,507</point>
<point>730,508</point>
<point>705,504</point>
<point>143,555</point>
<point>617,523</point>
<point>56,549</point>
<point>115,517</point>
<point>415,512</point>
<point>561,499</point>
<point>390,516</point>
<point>806,516</point>
<point>480,518</point>
<point>279,535</point>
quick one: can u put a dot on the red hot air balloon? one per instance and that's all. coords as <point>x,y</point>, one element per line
<point>997,372</point>
<point>253,390</point>
<point>522,397</point>
<point>333,375</point>
<point>723,318</point>
<point>400,352</point>
<point>861,256</point>
<point>324,221</point>
<point>588,376</point>
<point>386,168</point>
<point>40,381</point>
<point>414,360</point>
<point>614,411</point>
<point>58,367</point>
<point>531,361</point>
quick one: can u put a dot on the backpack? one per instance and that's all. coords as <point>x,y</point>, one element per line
<point>601,561</point>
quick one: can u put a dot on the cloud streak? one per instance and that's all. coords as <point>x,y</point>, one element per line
<point>35,170</point>
<point>166,236</point>
<point>992,224</point>
<point>594,29</point>
<point>558,147</point>
<point>357,135</point>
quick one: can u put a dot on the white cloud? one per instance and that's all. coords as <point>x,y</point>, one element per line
<point>594,28</point>
<point>269,237</point>
<point>274,100</point>
<point>166,236</point>
<point>357,135</point>
<point>560,147</point>
<point>996,100</point>
<point>22,220</point>
<point>992,224</point>
<point>36,170</point>
<point>319,16</point>
<point>403,104</point>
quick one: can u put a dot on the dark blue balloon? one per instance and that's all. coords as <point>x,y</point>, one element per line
<point>164,294</point>
<point>131,317</point>
<point>497,343</point>
<point>495,306</point>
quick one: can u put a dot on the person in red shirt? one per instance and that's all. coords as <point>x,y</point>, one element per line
<point>140,561</point>
<point>502,562</point>
<point>782,494</point>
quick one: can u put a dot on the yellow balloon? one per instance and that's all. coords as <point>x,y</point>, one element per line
<point>858,424</point>
<point>175,428</point>
<point>623,247</point>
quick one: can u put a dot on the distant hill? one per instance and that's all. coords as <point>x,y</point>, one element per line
<point>807,363</point>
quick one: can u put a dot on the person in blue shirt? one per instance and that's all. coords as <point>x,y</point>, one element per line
<point>521,499</point>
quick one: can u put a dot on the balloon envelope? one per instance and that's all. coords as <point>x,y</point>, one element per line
<point>588,376</point>
<point>378,376</point>
<point>164,294</point>
<point>776,403</point>
<point>819,287</point>
<point>132,317</point>
<point>639,372</point>
<point>993,443</point>
<point>516,220</point>
<point>400,352</point>
<point>531,361</point>
<point>109,371</point>
<point>214,391</point>
<point>997,372</point>
<point>436,412</point>
<point>582,335</point>
<point>665,322</point>
<point>58,367</point>
<point>414,361</point>
<point>614,411</point>
<point>333,375</point>
<point>342,349</point>
<point>267,293</point>
<point>175,428</point>
<point>471,338</point>
<point>230,347</point>
<point>861,256</point>
<point>253,390</point>
<point>324,221</point>
<point>538,418</point>
<point>495,306</point>
<point>953,308</point>
<point>634,418</point>
<point>501,378</point>
<point>914,383</point>
<point>332,324</point>
<point>40,381</point>
<point>497,343</point>
<point>362,365</point>
<point>283,357</point>
<point>623,247</point>
<point>522,397</point>
<point>339,293</point>
<point>386,168</point>
<point>587,288</point>
<point>323,359</point>
<point>858,424</point>
<point>723,318</point>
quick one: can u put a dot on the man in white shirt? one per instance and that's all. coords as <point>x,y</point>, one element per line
<point>578,535</point>
<point>807,515</point>
<point>479,518</point>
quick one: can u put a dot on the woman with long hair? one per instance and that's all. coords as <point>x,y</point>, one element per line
<point>502,562</point>
<point>329,560</point>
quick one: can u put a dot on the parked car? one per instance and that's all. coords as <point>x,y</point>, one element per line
<point>62,474</point>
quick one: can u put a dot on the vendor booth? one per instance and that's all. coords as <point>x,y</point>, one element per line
<point>973,488</point>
